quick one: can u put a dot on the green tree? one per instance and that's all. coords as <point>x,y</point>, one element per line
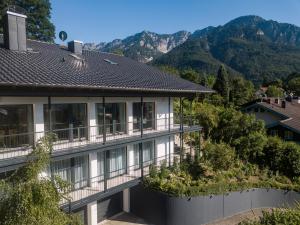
<point>294,85</point>
<point>210,81</point>
<point>39,26</point>
<point>222,83</point>
<point>251,147</point>
<point>29,198</point>
<point>190,75</point>
<point>274,91</point>
<point>242,91</point>
<point>221,156</point>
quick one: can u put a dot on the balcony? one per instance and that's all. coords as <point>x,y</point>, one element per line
<point>16,145</point>
<point>101,184</point>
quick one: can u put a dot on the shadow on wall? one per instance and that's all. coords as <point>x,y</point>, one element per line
<point>161,209</point>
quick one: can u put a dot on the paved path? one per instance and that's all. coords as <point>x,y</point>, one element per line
<point>125,219</point>
<point>129,219</point>
<point>236,219</point>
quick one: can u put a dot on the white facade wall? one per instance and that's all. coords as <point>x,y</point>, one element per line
<point>161,144</point>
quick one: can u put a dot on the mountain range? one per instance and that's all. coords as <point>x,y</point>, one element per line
<point>251,46</point>
<point>144,46</point>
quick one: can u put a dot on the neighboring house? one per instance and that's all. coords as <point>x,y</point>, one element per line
<point>113,117</point>
<point>281,117</point>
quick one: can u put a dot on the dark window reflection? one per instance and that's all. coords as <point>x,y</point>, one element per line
<point>115,118</point>
<point>148,116</point>
<point>16,126</point>
<point>68,121</point>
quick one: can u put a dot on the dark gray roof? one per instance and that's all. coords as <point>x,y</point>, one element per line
<point>290,114</point>
<point>49,65</point>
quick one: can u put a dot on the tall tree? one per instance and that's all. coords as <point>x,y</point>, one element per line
<point>27,197</point>
<point>39,26</point>
<point>222,83</point>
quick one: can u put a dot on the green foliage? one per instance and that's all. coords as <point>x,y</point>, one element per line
<point>221,156</point>
<point>208,117</point>
<point>29,198</point>
<point>274,152</point>
<point>39,26</point>
<point>274,91</point>
<point>291,159</point>
<point>233,124</point>
<point>251,148</point>
<point>286,216</point>
<point>201,178</point>
<point>190,75</point>
<point>294,85</point>
<point>256,57</point>
<point>222,83</point>
<point>242,91</point>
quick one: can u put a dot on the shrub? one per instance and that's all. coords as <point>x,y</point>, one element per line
<point>274,152</point>
<point>221,156</point>
<point>251,148</point>
<point>291,164</point>
<point>277,216</point>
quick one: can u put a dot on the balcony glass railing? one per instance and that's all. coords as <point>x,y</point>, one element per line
<point>21,144</point>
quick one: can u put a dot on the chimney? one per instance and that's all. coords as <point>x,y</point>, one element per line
<point>283,104</point>
<point>14,30</point>
<point>75,47</point>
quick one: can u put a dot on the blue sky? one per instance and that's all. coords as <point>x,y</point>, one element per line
<point>105,20</point>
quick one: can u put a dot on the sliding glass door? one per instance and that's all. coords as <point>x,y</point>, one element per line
<point>148,116</point>
<point>74,171</point>
<point>16,126</point>
<point>68,121</point>
<point>115,118</point>
<point>116,162</point>
<point>148,153</point>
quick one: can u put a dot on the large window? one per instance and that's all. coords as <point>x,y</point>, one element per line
<point>148,115</point>
<point>116,162</point>
<point>115,118</point>
<point>16,126</point>
<point>74,171</point>
<point>148,153</point>
<point>68,121</point>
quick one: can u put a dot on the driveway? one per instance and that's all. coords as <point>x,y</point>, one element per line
<point>125,219</point>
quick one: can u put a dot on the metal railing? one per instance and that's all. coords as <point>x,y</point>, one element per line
<point>15,145</point>
<point>102,183</point>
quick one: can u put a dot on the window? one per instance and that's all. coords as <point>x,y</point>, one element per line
<point>136,153</point>
<point>115,117</point>
<point>16,126</point>
<point>288,135</point>
<point>116,162</point>
<point>68,121</point>
<point>100,164</point>
<point>148,116</point>
<point>274,132</point>
<point>148,153</point>
<point>74,170</point>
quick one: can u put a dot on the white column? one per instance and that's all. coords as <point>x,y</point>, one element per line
<point>129,115</point>
<point>172,148</point>
<point>93,169</point>
<point>126,200</point>
<point>130,159</point>
<point>171,116</point>
<point>92,213</point>
<point>38,121</point>
<point>92,121</point>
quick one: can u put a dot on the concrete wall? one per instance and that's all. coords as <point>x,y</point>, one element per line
<point>161,209</point>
